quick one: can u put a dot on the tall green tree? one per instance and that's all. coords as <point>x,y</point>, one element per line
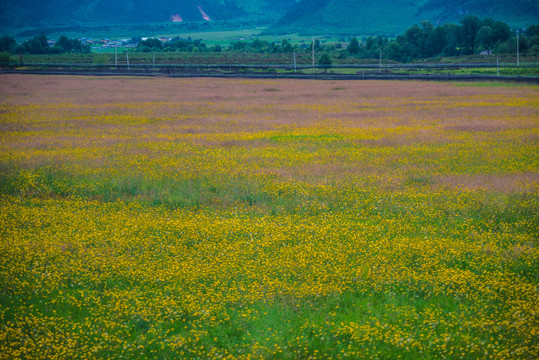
<point>393,51</point>
<point>7,43</point>
<point>470,27</point>
<point>452,40</point>
<point>151,43</point>
<point>37,45</point>
<point>500,31</point>
<point>484,38</point>
<point>325,59</point>
<point>353,46</point>
<point>436,41</point>
<point>286,46</point>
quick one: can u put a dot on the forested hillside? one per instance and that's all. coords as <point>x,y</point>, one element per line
<point>393,17</point>
<point>307,17</point>
<point>348,16</point>
<point>511,11</point>
<point>33,13</point>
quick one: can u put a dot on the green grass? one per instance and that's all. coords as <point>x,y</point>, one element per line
<point>238,58</point>
<point>282,220</point>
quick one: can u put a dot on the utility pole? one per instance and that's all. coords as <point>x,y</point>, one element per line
<point>518,60</point>
<point>127,55</point>
<point>115,57</point>
<point>380,63</point>
<point>294,60</point>
<point>153,60</point>
<point>498,65</point>
<point>313,52</point>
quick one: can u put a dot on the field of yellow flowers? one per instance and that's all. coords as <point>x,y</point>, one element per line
<point>257,219</point>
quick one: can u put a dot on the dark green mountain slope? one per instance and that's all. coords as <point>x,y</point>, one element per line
<point>304,16</point>
<point>345,16</point>
<point>515,11</point>
<point>395,16</point>
<point>34,13</point>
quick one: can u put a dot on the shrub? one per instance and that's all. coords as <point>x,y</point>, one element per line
<point>325,59</point>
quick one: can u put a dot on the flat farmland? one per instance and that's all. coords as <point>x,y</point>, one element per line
<point>161,218</point>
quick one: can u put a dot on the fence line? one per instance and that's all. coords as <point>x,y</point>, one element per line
<point>355,71</point>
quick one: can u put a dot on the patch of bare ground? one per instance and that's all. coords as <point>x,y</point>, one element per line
<point>418,136</point>
<point>357,104</point>
<point>62,112</point>
<point>519,250</point>
<point>527,182</point>
<point>24,89</point>
<point>479,127</point>
<point>340,170</point>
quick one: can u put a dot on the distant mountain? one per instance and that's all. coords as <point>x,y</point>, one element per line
<point>395,16</point>
<point>34,13</point>
<point>349,16</point>
<point>362,17</point>
<point>515,11</point>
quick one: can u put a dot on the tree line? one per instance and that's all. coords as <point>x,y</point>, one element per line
<point>176,44</point>
<point>471,36</point>
<point>40,45</point>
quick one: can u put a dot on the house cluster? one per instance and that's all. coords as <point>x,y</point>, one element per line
<point>108,43</point>
<point>119,43</point>
<point>163,39</point>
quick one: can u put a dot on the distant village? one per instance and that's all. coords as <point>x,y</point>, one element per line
<point>485,37</point>
<point>116,43</point>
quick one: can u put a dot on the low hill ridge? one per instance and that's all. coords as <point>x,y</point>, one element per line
<point>307,17</point>
<point>30,13</point>
<point>394,17</point>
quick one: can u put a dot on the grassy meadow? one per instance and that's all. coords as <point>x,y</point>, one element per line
<point>161,218</point>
